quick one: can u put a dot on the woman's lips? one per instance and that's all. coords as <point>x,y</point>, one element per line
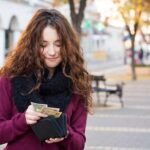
<point>52,58</point>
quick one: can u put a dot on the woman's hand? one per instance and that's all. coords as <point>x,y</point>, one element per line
<point>31,116</point>
<point>54,140</point>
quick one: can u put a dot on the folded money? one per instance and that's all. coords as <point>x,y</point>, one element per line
<point>54,108</point>
<point>38,107</point>
<point>43,108</point>
<point>48,111</point>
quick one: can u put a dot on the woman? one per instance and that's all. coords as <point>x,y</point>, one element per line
<point>45,67</point>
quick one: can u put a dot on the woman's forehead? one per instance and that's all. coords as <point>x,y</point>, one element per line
<point>50,34</point>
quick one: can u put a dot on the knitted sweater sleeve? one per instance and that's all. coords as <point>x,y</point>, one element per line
<point>76,138</point>
<point>11,125</point>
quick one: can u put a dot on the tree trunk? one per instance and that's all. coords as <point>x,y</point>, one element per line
<point>77,17</point>
<point>132,50</point>
<point>133,57</point>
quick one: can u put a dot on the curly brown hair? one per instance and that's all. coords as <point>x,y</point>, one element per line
<point>26,58</point>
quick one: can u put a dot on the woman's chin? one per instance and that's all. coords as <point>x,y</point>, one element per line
<point>52,65</point>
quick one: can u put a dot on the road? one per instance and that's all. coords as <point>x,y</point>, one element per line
<point>128,128</point>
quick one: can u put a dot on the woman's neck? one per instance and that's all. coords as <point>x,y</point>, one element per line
<point>51,72</point>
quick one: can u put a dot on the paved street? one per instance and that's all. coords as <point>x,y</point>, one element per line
<point>128,128</point>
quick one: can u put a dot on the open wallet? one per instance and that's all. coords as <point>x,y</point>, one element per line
<point>50,127</point>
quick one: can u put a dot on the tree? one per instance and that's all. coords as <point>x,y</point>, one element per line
<point>131,11</point>
<point>77,15</point>
<point>145,22</point>
<point>56,3</point>
<point>77,8</point>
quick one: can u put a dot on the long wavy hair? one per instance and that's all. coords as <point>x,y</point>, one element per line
<point>26,58</point>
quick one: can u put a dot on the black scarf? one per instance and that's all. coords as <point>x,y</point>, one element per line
<point>55,92</point>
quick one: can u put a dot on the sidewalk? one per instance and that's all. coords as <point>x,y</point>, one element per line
<point>122,73</point>
<point>128,128</point>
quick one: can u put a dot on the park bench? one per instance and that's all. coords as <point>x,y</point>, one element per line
<point>108,89</point>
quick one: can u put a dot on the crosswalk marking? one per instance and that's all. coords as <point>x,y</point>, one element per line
<point>118,116</point>
<point>117,106</point>
<point>145,107</point>
<point>112,148</point>
<point>118,129</point>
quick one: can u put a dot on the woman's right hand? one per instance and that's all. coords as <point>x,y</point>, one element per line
<point>31,116</point>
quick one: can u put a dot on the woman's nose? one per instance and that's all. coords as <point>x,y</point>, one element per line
<point>51,50</point>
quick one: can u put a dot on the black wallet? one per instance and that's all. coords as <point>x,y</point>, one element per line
<point>50,127</point>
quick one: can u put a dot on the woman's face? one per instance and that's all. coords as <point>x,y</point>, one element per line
<point>50,47</point>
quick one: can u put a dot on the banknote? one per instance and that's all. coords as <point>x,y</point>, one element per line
<point>38,107</point>
<point>43,108</point>
<point>54,108</point>
<point>48,111</point>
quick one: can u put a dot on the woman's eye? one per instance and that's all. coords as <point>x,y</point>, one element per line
<point>43,45</point>
<point>58,44</point>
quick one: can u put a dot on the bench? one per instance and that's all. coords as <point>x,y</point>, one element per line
<point>109,89</point>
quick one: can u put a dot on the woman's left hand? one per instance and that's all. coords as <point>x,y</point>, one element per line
<point>54,140</point>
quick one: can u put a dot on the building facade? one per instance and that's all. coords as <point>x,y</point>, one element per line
<point>14,16</point>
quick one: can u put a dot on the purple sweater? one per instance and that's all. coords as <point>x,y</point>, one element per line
<point>19,136</point>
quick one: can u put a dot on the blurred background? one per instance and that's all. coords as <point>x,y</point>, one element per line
<point>115,38</point>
